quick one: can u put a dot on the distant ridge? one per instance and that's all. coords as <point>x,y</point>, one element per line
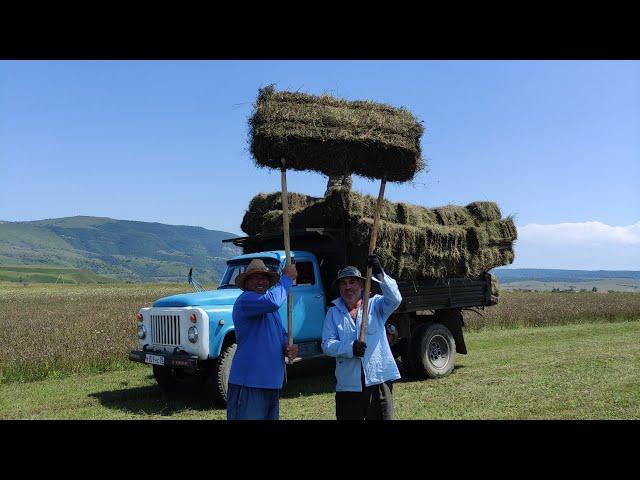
<point>508,275</point>
<point>127,250</point>
<point>121,249</point>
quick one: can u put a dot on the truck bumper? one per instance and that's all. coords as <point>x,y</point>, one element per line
<point>176,360</point>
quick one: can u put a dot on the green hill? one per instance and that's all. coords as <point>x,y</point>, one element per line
<point>120,249</point>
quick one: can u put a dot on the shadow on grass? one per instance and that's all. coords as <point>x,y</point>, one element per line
<point>406,378</point>
<point>151,400</point>
<point>320,378</point>
<point>312,376</point>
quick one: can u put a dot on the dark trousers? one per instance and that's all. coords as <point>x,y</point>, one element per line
<point>248,403</point>
<point>373,403</point>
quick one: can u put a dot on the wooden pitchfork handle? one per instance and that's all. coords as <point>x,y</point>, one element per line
<point>372,247</point>
<point>287,250</point>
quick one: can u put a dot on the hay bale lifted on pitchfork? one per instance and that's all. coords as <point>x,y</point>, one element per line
<point>334,136</point>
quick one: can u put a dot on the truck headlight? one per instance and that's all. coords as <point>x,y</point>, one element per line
<point>193,334</point>
<point>142,332</point>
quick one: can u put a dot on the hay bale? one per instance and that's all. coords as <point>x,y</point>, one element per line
<point>453,215</point>
<point>492,234</point>
<point>264,202</point>
<point>412,252</point>
<point>335,136</point>
<point>495,290</point>
<point>407,214</point>
<point>487,258</point>
<point>438,240</point>
<point>262,214</point>
<point>484,211</point>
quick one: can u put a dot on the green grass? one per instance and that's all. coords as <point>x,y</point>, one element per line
<point>579,371</point>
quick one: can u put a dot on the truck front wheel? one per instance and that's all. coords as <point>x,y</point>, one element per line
<point>219,374</point>
<point>432,351</point>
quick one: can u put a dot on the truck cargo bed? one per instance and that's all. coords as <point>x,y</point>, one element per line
<point>435,294</point>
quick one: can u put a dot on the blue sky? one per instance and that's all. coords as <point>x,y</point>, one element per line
<point>555,143</point>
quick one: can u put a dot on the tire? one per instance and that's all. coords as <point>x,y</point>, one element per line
<point>410,354</point>
<point>437,351</point>
<point>432,351</point>
<point>177,380</point>
<point>219,375</point>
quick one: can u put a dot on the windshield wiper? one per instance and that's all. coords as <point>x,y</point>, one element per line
<point>193,282</point>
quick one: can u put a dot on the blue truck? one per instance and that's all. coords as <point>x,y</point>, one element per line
<point>189,339</point>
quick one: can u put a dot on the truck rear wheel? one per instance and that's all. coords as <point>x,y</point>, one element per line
<point>431,352</point>
<point>219,374</point>
<point>177,380</point>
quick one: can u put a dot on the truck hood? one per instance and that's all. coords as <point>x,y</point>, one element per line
<point>225,296</point>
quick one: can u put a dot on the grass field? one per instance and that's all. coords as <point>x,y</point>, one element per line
<point>46,274</point>
<point>536,309</point>
<point>54,330</point>
<point>577,371</point>
<point>49,330</point>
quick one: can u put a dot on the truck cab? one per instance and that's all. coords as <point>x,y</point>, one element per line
<point>189,338</point>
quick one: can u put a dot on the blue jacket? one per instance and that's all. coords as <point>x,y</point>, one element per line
<point>261,338</point>
<point>339,333</point>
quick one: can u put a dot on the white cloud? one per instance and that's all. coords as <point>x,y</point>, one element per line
<point>580,234</point>
<point>581,246</point>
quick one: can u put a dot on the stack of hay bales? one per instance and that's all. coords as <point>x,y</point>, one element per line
<point>413,241</point>
<point>339,137</point>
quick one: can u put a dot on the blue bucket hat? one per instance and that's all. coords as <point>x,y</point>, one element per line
<point>351,272</point>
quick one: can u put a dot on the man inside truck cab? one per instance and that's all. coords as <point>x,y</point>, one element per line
<point>257,370</point>
<point>364,370</point>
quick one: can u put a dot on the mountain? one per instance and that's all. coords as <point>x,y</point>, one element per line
<point>122,249</point>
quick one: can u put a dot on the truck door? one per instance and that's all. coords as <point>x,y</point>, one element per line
<point>308,302</point>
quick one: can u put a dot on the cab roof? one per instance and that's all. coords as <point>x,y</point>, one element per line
<point>278,255</point>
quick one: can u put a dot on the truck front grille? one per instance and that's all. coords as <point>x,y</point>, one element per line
<point>165,329</point>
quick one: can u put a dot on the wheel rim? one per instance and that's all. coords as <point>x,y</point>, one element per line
<point>438,351</point>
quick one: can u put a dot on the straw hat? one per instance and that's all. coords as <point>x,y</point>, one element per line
<point>257,266</point>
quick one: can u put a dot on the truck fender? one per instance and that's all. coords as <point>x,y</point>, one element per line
<point>218,340</point>
<point>452,319</point>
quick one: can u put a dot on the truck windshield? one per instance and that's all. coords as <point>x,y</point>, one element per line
<point>238,267</point>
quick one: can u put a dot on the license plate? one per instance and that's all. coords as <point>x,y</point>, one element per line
<point>154,359</point>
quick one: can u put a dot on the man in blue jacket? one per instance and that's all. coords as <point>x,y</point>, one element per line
<point>257,370</point>
<point>364,370</point>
